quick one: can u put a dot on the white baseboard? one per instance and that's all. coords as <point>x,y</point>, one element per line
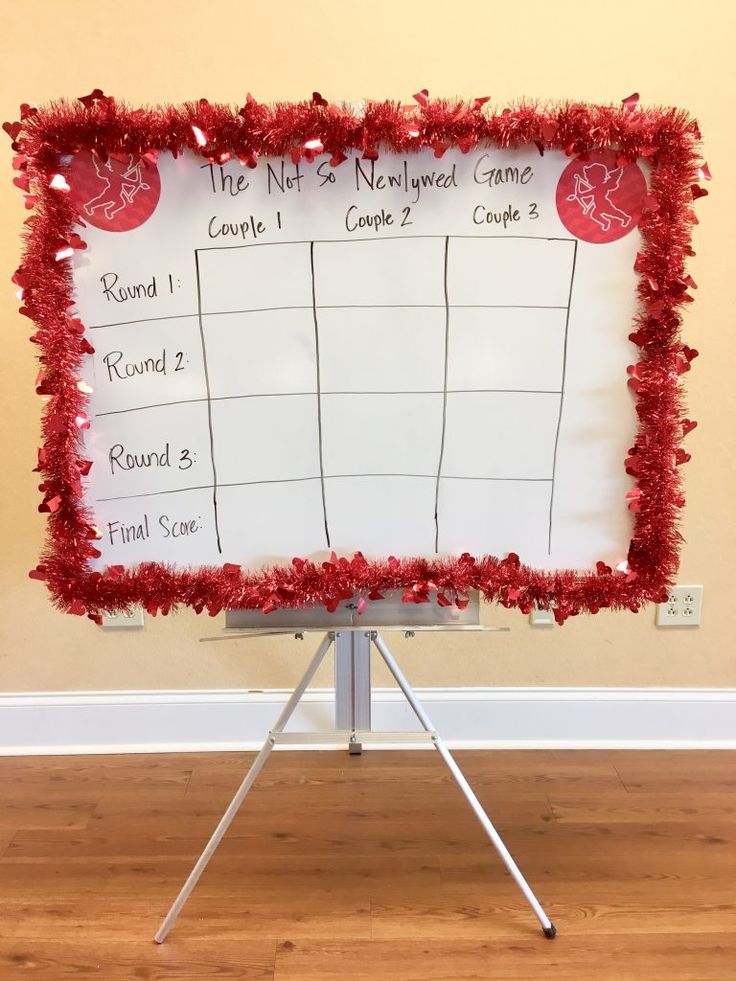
<point>470,718</point>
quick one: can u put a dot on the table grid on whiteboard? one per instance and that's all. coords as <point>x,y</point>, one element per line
<point>374,383</point>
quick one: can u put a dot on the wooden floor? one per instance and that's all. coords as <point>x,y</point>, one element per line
<point>371,868</point>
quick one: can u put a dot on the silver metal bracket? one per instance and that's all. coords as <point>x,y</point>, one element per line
<point>352,681</point>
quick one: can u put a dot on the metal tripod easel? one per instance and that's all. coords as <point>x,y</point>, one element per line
<point>353,727</point>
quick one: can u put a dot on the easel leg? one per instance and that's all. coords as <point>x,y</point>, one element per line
<point>547,925</point>
<point>242,791</point>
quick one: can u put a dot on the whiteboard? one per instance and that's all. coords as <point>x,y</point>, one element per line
<point>411,356</point>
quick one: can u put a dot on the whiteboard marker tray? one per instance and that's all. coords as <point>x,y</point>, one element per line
<point>389,613</point>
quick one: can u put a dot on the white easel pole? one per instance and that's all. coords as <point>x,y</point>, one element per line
<point>547,925</point>
<point>242,791</point>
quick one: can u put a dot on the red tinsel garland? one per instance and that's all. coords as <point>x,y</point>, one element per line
<point>667,138</point>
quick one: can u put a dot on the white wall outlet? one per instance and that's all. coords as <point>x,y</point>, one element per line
<point>541,618</point>
<point>683,607</point>
<point>122,619</point>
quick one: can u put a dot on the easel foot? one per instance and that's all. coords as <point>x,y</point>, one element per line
<point>550,931</point>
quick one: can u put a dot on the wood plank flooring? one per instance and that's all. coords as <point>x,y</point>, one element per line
<point>370,868</point>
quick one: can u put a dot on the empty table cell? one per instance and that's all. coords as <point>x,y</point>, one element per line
<point>381,434</point>
<point>265,438</point>
<point>254,277</point>
<point>500,435</point>
<point>514,348</point>
<point>263,523</point>
<point>487,517</point>
<point>381,516</point>
<point>381,349</point>
<point>261,353</point>
<point>509,271</point>
<point>389,272</point>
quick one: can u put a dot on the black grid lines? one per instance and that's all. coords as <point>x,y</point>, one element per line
<point>446,399</point>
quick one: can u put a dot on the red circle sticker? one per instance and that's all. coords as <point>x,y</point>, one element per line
<point>115,195</point>
<point>600,200</point>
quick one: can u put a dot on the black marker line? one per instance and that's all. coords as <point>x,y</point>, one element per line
<point>445,476</point>
<point>375,306</point>
<point>505,391</point>
<point>339,306</point>
<point>216,398</point>
<point>381,238</point>
<point>441,391</point>
<point>562,397</point>
<point>444,401</point>
<point>172,490</point>
<point>140,408</point>
<point>205,313</point>
<point>435,306</point>
<point>273,395</point>
<point>209,403</point>
<point>384,306</point>
<point>198,487</point>
<point>144,320</point>
<point>334,476</point>
<point>319,392</point>
<point>515,480</point>
<point>277,480</point>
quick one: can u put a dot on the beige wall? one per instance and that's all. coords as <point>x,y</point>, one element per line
<point>159,50</point>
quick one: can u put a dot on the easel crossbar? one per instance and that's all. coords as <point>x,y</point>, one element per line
<point>341,737</point>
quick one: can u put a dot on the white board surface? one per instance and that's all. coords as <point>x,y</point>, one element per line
<point>273,376</point>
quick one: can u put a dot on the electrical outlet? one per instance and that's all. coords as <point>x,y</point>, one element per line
<point>683,607</point>
<point>122,619</point>
<point>541,618</point>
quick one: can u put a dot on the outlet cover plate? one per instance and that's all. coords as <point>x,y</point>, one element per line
<point>122,620</point>
<point>541,618</point>
<point>683,607</point>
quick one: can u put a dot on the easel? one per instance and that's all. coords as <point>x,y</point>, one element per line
<point>353,643</point>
